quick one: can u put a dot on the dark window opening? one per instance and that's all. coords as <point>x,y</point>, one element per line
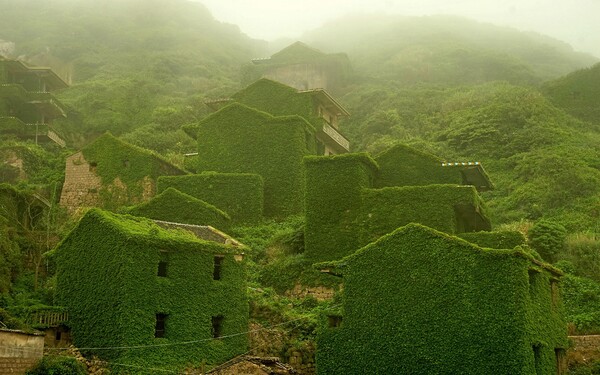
<point>58,335</point>
<point>334,321</point>
<point>159,329</point>
<point>93,166</point>
<point>162,264</point>
<point>217,326</point>
<point>532,275</point>
<point>218,262</point>
<point>537,356</point>
<point>561,364</point>
<point>162,269</point>
<point>554,292</point>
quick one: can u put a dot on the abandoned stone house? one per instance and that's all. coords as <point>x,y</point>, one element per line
<point>353,199</point>
<point>302,67</point>
<point>422,301</point>
<point>27,106</point>
<point>175,300</point>
<point>110,173</point>
<point>316,106</point>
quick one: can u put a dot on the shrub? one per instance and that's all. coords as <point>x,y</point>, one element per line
<point>57,365</point>
<point>548,239</point>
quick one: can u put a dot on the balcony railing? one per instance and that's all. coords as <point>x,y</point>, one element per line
<point>339,139</point>
<point>16,127</point>
<point>48,317</point>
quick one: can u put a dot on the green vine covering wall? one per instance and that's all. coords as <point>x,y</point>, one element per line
<point>239,139</point>
<point>333,199</point>
<point>276,99</point>
<point>115,158</point>
<point>402,165</point>
<point>238,194</point>
<point>418,301</point>
<point>495,240</point>
<point>175,206</point>
<point>107,279</point>
<point>384,210</point>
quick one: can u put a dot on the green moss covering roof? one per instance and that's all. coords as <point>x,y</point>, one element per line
<point>140,228</point>
<point>175,206</point>
<point>117,158</point>
<point>362,157</point>
<point>341,264</point>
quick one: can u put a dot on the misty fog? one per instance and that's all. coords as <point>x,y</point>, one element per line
<point>575,22</point>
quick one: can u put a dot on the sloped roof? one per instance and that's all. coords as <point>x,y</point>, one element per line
<point>141,229</point>
<point>297,50</point>
<point>337,267</point>
<point>172,202</point>
<point>108,138</point>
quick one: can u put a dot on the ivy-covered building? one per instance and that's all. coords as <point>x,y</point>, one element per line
<point>352,199</point>
<point>174,206</point>
<point>419,301</point>
<point>111,173</point>
<point>302,67</point>
<point>27,106</point>
<point>316,106</point>
<point>267,129</point>
<point>151,297</point>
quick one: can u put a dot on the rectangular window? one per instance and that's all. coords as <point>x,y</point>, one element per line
<point>334,321</point>
<point>537,357</point>
<point>554,292</point>
<point>561,363</point>
<point>218,262</point>
<point>162,264</point>
<point>159,329</point>
<point>217,326</point>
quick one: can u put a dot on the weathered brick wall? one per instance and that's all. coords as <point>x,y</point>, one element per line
<point>300,76</point>
<point>19,351</point>
<point>320,293</point>
<point>81,185</point>
<point>584,349</point>
<point>16,366</point>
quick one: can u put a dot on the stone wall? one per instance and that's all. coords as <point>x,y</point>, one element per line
<point>82,185</point>
<point>19,351</point>
<point>320,293</point>
<point>300,76</point>
<point>584,350</point>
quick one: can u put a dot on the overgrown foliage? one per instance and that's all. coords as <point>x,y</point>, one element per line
<point>437,284</point>
<point>127,280</point>
<point>240,195</point>
<point>175,206</point>
<point>239,139</point>
<point>57,365</point>
<point>548,239</point>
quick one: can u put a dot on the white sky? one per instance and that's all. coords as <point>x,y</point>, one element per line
<point>576,22</point>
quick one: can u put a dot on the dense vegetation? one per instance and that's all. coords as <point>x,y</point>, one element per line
<point>458,89</point>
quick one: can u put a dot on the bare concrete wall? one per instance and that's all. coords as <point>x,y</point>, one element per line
<point>19,351</point>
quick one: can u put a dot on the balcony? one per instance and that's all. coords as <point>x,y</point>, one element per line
<point>47,104</point>
<point>19,129</point>
<point>48,316</point>
<point>333,139</point>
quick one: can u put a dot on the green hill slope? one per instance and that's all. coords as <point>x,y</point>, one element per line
<point>446,50</point>
<point>577,93</point>
<point>132,62</point>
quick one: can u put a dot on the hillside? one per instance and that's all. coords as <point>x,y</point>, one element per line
<point>132,63</point>
<point>445,50</point>
<point>522,104</point>
<point>578,93</point>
